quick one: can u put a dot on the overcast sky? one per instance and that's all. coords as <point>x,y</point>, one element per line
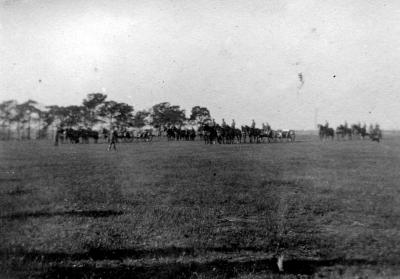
<point>240,59</point>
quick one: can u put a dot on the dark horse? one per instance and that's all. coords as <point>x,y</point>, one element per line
<point>325,132</point>
<point>254,134</point>
<point>86,134</point>
<point>342,131</point>
<point>360,131</point>
<point>228,134</point>
<point>209,134</point>
<point>72,135</point>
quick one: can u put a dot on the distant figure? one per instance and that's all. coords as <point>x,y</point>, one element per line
<point>223,123</point>
<point>326,124</point>
<point>113,140</point>
<point>253,124</point>
<point>233,124</point>
<point>57,137</point>
<point>213,123</point>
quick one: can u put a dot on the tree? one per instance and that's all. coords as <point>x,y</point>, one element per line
<point>120,113</point>
<point>25,112</point>
<point>200,115</point>
<point>18,117</point>
<point>7,111</point>
<point>139,119</point>
<point>92,105</point>
<point>73,115</point>
<point>54,114</point>
<point>164,115</point>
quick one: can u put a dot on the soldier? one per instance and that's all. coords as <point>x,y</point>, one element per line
<point>326,124</point>
<point>213,123</point>
<point>223,123</point>
<point>113,139</point>
<point>233,124</point>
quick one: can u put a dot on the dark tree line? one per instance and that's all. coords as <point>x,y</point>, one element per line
<point>22,118</point>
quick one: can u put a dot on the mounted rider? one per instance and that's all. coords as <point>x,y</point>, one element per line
<point>223,123</point>
<point>253,124</point>
<point>233,124</point>
<point>265,127</point>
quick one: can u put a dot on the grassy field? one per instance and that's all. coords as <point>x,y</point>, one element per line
<point>189,210</point>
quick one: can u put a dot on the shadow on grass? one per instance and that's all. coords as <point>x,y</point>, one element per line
<point>98,254</point>
<point>10,179</point>
<point>76,213</point>
<point>19,192</point>
<point>64,265</point>
<point>210,269</point>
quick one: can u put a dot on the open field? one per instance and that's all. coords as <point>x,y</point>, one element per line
<point>189,210</point>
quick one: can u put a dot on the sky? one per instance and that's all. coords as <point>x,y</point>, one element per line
<point>289,63</point>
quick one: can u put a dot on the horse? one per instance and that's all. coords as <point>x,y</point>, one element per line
<point>376,134</point>
<point>72,135</point>
<point>342,131</point>
<point>86,134</point>
<point>172,133</point>
<point>237,135</point>
<point>359,131</point>
<point>209,134</point>
<point>254,134</point>
<point>289,135</point>
<point>325,132</point>
<point>192,134</point>
<point>227,134</point>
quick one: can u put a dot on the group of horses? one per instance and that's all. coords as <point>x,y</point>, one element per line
<point>76,135</point>
<point>125,135</point>
<point>209,133</point>
<point>174,133</point>
<point>212,134</point>
<point>355,131</point>
<point>82,135</point>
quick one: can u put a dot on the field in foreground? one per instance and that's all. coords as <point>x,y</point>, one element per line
<point>189,210</point>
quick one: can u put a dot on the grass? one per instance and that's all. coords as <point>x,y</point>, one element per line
<point>189,210</point>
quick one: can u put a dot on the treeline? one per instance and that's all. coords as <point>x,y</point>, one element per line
<point>27,120</point>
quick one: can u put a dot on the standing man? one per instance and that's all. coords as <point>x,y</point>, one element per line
<point>113,139</point>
